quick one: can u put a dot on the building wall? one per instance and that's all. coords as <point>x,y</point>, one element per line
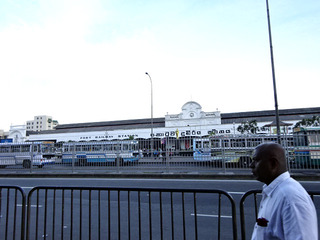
<point>192,115</point>
<point>191,122</point>
<point>3,134</point>
<point>41,123</point>
<point>17,133</point>
<point>144,133</point>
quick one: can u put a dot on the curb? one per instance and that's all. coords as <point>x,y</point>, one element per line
<point>155,175</point>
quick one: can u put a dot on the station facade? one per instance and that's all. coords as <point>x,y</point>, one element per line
<point>190,122</point>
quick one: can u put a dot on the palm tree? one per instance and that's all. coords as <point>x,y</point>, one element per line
<point>308,122</point>
<point>248,127</point>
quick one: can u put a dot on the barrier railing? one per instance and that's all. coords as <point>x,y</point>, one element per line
<point>125,213</point>
<point>167,154</point>
<point>253,213</point>
<point>12,212</point>
<point>129,213</point>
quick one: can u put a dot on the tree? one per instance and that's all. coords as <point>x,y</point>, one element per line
<point>308,122</point>
<point>131,137</point>
<point>248,127</point>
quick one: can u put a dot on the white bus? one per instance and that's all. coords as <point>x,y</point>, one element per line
<point>307,147</point>
<point>84,153</point>
<point>27,154</point>
<point>233,151</point>
<point>202,149</point>
<point>222,151</point>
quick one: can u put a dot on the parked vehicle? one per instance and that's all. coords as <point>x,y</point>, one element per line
<point>84,153</point>
<point>232,151</point>
<point>27,154</point>
<point>306,147</point>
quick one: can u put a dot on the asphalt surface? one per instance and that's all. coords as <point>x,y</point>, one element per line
<point>178,174</point>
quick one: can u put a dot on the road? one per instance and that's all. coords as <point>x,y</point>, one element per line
<point>234,187</point>
<point>147,165</point>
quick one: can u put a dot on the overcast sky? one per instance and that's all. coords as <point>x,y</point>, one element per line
<point>85,60</point>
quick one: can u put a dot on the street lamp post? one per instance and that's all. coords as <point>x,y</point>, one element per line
<point>151,113</point>
<point>274,78</point>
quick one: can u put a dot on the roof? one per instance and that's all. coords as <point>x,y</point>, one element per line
<point>274,123</point>
<point>122,124</point>
<point>269,115</point>
<point>105,126</point>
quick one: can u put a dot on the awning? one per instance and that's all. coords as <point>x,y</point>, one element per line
<point>273,124</point>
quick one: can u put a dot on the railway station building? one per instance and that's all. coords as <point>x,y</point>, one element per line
<point>192,121</point>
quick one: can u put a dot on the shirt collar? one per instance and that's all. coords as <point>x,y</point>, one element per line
<point>268,189</point>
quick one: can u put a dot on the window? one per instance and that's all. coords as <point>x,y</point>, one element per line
<point>125,147</point>
<point>78,148</point>
<point>68,148</point>
<point>107,147</point>
<point>86,148</point>
<point>25,148</point>
<point>4,149</point>
<point>15,148</point>
<point>35,148</point>
<point>96,148</point>
<point>314,139</point>
<point>116,147</point>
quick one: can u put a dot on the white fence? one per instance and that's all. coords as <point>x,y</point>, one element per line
<point>211,154</point>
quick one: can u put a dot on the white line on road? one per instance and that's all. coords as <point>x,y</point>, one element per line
<point>20,205</point>
<point>210,215</point>
<point>237,193</point>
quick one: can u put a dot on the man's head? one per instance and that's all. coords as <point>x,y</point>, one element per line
<point>269,161</point>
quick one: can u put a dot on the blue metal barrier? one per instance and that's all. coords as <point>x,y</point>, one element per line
<point>12,212</point>
<point>129,213</point>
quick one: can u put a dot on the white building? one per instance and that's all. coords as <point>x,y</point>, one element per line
<point>190,122</point>
<point>192,115</point>
<point>3,135</point>
<point>17,133</point>
<point>41,123</point>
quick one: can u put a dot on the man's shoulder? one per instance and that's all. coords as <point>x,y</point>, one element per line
<point>291,190</point>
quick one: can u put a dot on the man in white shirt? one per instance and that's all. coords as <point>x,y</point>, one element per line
<point>286,209</point>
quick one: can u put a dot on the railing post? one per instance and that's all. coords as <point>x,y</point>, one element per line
<point>31,157</point>
<point>73,156</point>
<point>167,158</point>
<point>223,154</point>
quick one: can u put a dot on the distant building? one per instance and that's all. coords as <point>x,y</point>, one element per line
<point>17,133</point>
<point>41,123</point>
<point>3,135</point>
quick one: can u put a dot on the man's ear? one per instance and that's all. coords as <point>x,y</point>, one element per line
<point>274,163</point>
